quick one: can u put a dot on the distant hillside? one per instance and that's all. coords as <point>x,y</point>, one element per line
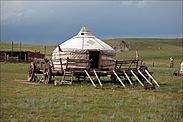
<point>148,49</point>
<point>144,43</point>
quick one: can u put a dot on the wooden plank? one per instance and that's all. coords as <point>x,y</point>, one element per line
<point>108,65</point>
<point>80,64</point>
<point>137,78</point>
<point>126,69</point>
<point>61,64</point>
<point>127,77</point>
<point>67,63</point>
<point>79,60</point>
<point>152,78</point>
<point>97,78</point>
<point>77,64</point>
<point>90,78</point>
<point>52,64</point>
<point>126,61</point>
<point>115,67</point>
<point>130,63</point>
<point>118,78</point>
<point>144,77</point>
<point>76,69</point>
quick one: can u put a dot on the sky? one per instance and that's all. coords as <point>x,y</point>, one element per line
<point>52,22</point>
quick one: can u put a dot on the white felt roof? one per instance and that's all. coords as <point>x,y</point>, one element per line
<point>84,40</point>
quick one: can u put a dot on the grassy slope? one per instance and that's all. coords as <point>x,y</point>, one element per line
<point>153,50</point>
<point>150,50</point>
<point>82,102</point>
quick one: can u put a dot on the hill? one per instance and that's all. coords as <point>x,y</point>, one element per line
<point>152,50</point>
<point>157,51</point>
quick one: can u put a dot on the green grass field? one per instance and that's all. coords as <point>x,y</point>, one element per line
<point>82,102</point>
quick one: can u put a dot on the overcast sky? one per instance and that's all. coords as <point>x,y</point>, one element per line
<point>53,22</point>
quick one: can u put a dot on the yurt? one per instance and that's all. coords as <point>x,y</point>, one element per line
<point>85,46</point>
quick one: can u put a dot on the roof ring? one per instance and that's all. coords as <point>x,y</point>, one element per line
<point>82,33</point>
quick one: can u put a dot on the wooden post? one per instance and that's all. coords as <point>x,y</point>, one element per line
<point>12,45</point>
<point>59,50</point>
<point>118,78</point>
<point>152,78</point>
<point>97,78</point>
<point>144,77</point>
<point>25,57</point>
<point>137,78</point>
<point>67,64</point>
<point>116,65</point>
<point>5,57</point>
<point>28,59</point>
<point>20,56</point>
<point>127,77</point>
<point>52,64</point>
<point>90,78</point>
<point>61,64</point>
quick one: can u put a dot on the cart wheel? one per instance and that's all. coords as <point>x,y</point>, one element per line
<point>31,72</point>
<point>47,75</point>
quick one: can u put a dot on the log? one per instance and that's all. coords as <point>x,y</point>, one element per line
<point>118,78</point>
<point>144,77</point>
<point>90,78</point>
<point>137,78</point>
<point>152,78</point>
<point>127,77</point>
<point>97,78</point>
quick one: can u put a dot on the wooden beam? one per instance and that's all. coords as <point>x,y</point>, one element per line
<point>116,63</point>
<point>97,77</point>
<point>144,77</point>
<point>90,78</point>
<point>137,78</point>
<point>12,45</point>
<point>118,78</point>
<point>61,64</point>
<point>67,64</point>
<point>78,60</point>
<point>152,78</point>
<point>52,64</point>
<point>127,61</point>
<point>127,77</point>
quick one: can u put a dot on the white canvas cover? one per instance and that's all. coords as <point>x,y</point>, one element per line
<point>83,41</point>
<point>78,47</point>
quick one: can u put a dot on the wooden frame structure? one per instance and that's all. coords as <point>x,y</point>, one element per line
<point>20,56</point>
<point>80,67</point>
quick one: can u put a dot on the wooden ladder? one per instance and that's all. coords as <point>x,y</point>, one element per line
<point>67,73</point>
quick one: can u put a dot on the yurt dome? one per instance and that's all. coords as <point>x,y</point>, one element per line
<point>85,46</point>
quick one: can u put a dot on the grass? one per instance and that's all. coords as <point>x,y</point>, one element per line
<point>153,50</point>
<point>82,102</point>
